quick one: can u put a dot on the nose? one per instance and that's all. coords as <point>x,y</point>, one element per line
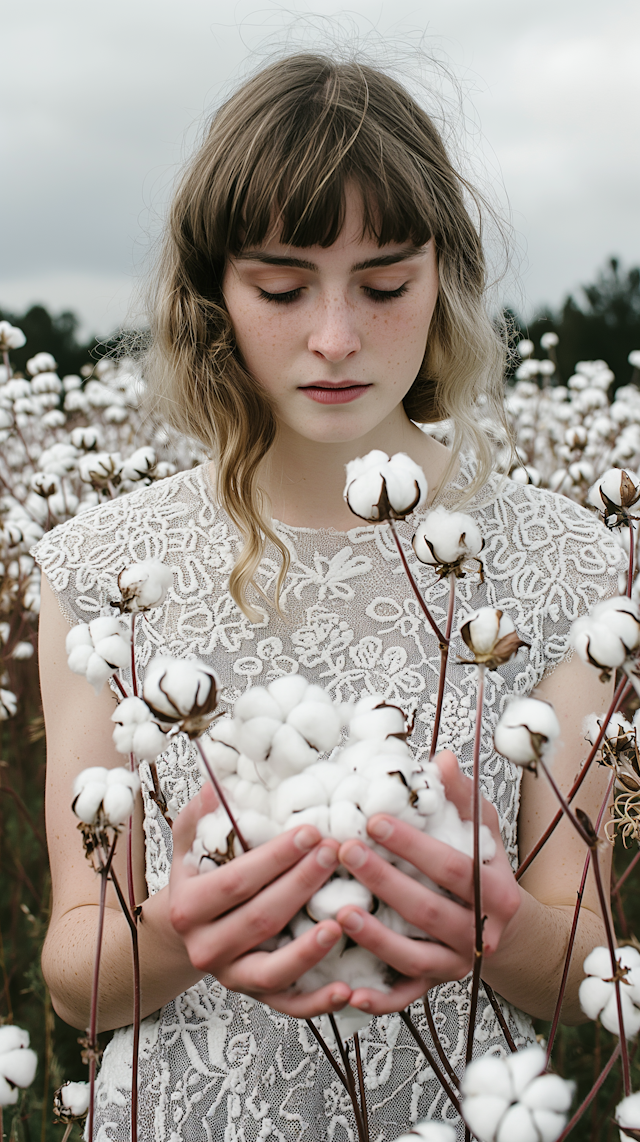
<point>334,336</point>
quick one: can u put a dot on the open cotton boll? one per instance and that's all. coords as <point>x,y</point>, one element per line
<point>181,692</point>
<point>488,1073</point>
<point>255,737</point>
<point>295,793</point>
<point>18,1067</point>
<point>628,1114</point>
<point>526,730</point>
<point>620,486</point>
<point>74,1098</point>
<point>257,828</point>
<point>621,615</point>
<point>482,1114</point>
<point>222,758</point>
<point>328,774</point>
<point>257,702</point>
<point>213,841</point>
<point>597,644</point>
<point>135,731</point>
<point>524,1066</point>
<point>251,795</point>
<point>144,585</point>
<point>447,538</point>
<point>328,900</point>
<point>353,787</point>
<point>347,821</point>
<point>385,795</point>
<point>290,753</point>
<point>597,992</point>
<point>288,691</point>
<point>377,723</point>
<point>317,815</point>
<point>378,488</point>
<point>317,723</point>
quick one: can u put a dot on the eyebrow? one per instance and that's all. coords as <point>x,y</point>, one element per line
<point>302,264</point>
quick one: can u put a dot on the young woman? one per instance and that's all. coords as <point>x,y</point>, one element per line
<point>320,295</point>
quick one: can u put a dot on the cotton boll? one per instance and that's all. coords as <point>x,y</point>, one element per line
<point>296,793</point>
<point>104,627</point>
<point>79,658</point>
<point>288,692</point>
<point>250,795</point>
<point>428,801</point>
<point>290,753</point>
<point>118,804</point>
<point>318,816</point>
<point>628,1114</point>
<point>255,737</point>
<point>300,925</point>
<point>525,729</point>
<point>517,1124</point>
<point>317,723</point>
<point>247,769</point>
<point>148,741</point>
<point>630,1015</point>
<point>257,702</point>
<point>225,730</point>
<point>594,995</point>
<point>328,774</point>
<point>75,1098</point>
<point>488,1073</point>
<point>360,968</point>
<point>379,723</point>
<point>549,1124</point>
<point>353,788</point>
<point>524,1066</point>
<point>548,1092</point>
<point>315,693</point>
<point>385,795</point>
<point>328,900</point>
<point>256,828</point>
<point>482,1113</point>
<point>88,802</point>
<point>19,1066</point>
<point>222,758</point>
<point>346,821</point>
<point>597,644</point>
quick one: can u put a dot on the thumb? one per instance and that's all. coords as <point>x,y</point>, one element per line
<point>458,789</point>
<point>185,824</point>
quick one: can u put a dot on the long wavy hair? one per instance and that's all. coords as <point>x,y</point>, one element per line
<point>277,159</point>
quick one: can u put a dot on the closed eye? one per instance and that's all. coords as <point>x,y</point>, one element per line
<point>281,298</point>
<point>385,294</point>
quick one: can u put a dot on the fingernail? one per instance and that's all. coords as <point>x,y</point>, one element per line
<point>306,838</point>
<point>355,856</point>
<point>326,937</point>
<point>337,998</point>
<point>326,857</point>
<point>353,922</point>
<point>364,1006</point>
<point>381,829</point>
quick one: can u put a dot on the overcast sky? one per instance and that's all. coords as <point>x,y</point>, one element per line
<point>100,103</point>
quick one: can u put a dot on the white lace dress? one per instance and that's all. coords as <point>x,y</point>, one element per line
<point>216,1065</point>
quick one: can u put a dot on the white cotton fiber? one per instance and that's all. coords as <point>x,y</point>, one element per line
<point>288,692</point>
<point>327,902</point>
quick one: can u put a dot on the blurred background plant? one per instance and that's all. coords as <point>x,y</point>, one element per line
<point>74,432</point>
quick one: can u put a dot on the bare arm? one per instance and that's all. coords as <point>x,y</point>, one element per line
<point>212,921</point>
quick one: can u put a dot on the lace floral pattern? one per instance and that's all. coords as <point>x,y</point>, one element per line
<point>215,1065</point>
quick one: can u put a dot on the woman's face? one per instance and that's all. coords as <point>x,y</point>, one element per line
<point>336,336</point>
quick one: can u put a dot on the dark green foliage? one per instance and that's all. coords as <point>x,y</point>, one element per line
<point>603,325</point>
<point>55,335</point>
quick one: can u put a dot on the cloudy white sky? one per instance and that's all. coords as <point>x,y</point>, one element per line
<point>100,103</point>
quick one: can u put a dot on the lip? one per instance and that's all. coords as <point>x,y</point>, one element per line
<point>342,392</point>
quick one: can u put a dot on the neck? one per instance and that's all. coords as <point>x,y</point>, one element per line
<point>304,479</point>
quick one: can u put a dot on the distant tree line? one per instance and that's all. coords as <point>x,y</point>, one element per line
<point>603,324</point>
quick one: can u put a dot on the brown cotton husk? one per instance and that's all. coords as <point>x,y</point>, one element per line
<point>502,651</point>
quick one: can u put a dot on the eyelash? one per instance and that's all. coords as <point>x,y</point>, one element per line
<point>377,295</point>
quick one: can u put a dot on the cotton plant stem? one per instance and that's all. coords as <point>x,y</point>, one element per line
<point>221,797</point>
<point>66,1133</point>
<point>566,808</point>
<point>435,1038</point>
<point>351,1085</point>
<point>431,1059</point>
<point>316,1034</point>
<point>574,927</point>
<point>363,1093</point>
<point>584,1106</point>
<point>93,1018</point>
<point>626,1070</point>
<point>499,1014</point>
<point>131,918</point>
<point>477,887</point>
<point>414,586</point>
<point>444,659</point>
<point>629,869</point>
<point>621,692</point>
<point>632,540</point>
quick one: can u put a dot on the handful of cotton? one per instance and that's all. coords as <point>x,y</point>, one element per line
<point>267,758</point>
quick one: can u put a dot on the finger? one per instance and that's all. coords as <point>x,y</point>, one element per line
<point>185,824</point>
<point>200,899</point>
<point>404,992</point>
<point>280,970</point>
<point>333,997</point>
<point>458,788</point>
<point>443,865</point>
<point>265,915</point>
<point>416,959</point>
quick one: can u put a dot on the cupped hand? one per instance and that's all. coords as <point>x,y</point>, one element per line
<point>423,964</point>
<point>223,915</point>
